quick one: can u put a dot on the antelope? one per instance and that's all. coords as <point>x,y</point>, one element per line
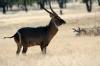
<point>79,31</point>
<point>29,36</point>
<point>87,31</point>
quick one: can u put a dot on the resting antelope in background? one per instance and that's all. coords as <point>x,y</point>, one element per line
<point>95,31</point>
<point>30,36</point>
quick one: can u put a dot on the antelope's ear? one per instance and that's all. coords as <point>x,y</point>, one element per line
<point>74,30</point>
<point>51,15</point>
<point>79,28</point>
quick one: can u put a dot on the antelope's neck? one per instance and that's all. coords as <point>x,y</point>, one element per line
<point>53,29</point>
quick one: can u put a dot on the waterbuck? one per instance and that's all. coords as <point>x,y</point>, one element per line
<point>30,36</point>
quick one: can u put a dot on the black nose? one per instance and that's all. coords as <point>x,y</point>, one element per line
<point>64,22</point>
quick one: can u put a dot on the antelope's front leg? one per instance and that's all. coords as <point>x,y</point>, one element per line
<point>24,49</point>
<point>43,49</point>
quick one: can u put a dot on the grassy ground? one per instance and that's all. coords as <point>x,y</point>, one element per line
<point>65,49</point>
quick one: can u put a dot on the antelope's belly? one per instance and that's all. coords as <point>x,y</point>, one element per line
<point>33,44</point>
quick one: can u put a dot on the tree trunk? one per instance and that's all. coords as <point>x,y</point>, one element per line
<point>89,5</point>
<point>4,9</point>
<point>99,2</point>
<point>25,5</point>
<point>61,3</point>
<point>43,3</point>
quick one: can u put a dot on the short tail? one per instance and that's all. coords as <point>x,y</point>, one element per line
<point>18,33</point>
<point>8,37</point>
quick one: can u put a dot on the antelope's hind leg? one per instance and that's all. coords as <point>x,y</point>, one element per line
<point>18,49</point>
<point>24,49</point>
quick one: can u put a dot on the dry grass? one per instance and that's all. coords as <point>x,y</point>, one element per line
<point>64,50</point>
